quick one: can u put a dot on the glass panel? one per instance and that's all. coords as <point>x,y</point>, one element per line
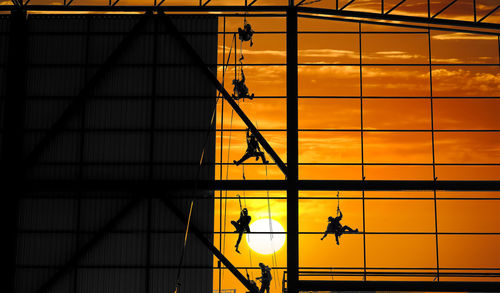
<point>470,81</point>
<point>458,47</point>
<point>466,114</point>
<point>395,49</point>
<point>401,251</point>
<point>467,147</point>
<point>397,114</point>
<point>328,80</point>
<point>329,147</point>
<point>456,215</point>
<point>415,147</point>
<point>399,216</point>
<point>396,81</point>
<point>329,113</point>
<point>328,48</point>
<point>469,251</point>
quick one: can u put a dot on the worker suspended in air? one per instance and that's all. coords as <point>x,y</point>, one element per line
<point>242,226</point>
<point>265,279</point>
<point>253,150</point>
<point>246,33</point>
<point>240,89</point>
<point>334,227</point>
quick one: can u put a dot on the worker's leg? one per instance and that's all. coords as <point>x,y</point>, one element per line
<point>238,241</point>
<point>243,159</point>
<point>239,238</point>
<point>262,287</point>
<point>326,233</point>
<point>337,238</point>
<point>347,229</point>
<point>236,226</point>
<point>262,156</point>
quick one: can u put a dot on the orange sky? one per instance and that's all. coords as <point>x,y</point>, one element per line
<point>320,80</point>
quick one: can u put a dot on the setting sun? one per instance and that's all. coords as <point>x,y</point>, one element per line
<point>266,243</point>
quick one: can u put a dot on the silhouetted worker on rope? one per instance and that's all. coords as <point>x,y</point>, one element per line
<point>242,226</point>
<point>265,278</point>
<point>246,33</point>
<point>334,227</point>
<point>240,89</point>
<point>253,150</point>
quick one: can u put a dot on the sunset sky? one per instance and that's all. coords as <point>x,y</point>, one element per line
<point>396,85</point>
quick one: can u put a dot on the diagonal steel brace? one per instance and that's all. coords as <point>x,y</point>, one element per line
<point>196,232</point>
<point>210,75</point>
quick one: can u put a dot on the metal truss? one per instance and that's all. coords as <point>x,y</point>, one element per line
<point>342,12</point>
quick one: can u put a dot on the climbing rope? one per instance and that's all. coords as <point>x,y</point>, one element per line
<point>338,203</point>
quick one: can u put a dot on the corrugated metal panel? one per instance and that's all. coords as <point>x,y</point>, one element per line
<point>115,143</point>
<point>50,82</point>
<point>112,113</point>
<point>45,249</point>
<point>51,23</point>
<point>56,49</point>
<point>118,249</point>
<point>111,280</point>
<point>29,280</point>
<point>193,280</point>
<point>40,215</point>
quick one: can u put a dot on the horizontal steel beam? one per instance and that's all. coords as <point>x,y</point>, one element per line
<point>243,9</point>
<point>403,18</point>
<point>399,286</point>
<point>148,186</point>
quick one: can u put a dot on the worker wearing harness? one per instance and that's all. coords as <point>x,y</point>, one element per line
<point>265,278</point>
<point>246,33</point>
<point>240,89</point>
<point>334,227</point>
<point>242,226</point>
<point>253,150</point>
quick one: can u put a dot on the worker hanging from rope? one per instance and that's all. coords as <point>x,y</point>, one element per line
<point>334,226</point>
<point>241,226</point>
<point>240,89</point>
<point>246,33</point>
<point>265,279</point>
<point>253,150</point>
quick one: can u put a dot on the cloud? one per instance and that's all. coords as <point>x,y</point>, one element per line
<point>463,36</point>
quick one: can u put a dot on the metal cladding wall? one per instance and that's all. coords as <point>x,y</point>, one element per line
<point>147,118</point>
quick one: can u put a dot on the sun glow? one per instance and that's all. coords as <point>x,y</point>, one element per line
<point>266,243</point>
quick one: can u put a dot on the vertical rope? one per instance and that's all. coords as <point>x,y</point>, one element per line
<point>362,147</point>
<point>433,154</point>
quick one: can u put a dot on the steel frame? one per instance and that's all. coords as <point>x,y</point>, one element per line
<point>291,184</point>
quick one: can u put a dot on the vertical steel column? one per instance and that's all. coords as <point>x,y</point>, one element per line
<point>221,144</point>
<point>433,154</point>
<point>13,137</point>
<point>292,148</point>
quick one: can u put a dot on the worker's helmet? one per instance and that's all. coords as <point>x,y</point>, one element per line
<point>330,219</point>
<point>244,210</point>
<point>235,81</point>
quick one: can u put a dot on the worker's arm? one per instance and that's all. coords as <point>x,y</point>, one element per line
<point>340,217</point>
